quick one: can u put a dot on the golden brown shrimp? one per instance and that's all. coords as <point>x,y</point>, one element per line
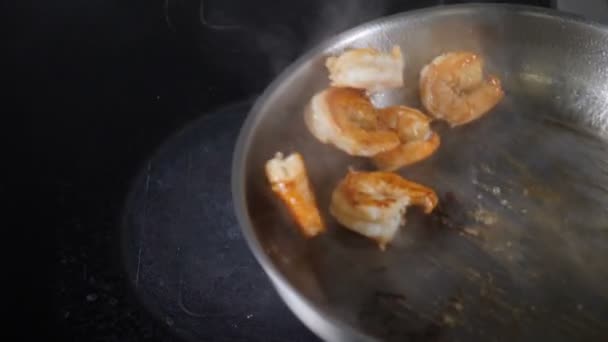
<point>289,181</point>
<point>346,118</point>
<point>418,141</point>
<point>407,154</point>
<point>373,204</point>
<point>452,88</point>
<point>367,68</point>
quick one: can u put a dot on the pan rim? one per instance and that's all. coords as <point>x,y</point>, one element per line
<point>301,306</point>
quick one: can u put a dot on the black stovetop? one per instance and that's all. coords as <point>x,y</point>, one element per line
<point>103,87</point>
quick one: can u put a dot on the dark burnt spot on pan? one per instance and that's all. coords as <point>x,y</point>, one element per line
<point>450,214</point>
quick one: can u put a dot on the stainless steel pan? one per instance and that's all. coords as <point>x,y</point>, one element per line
<point>518,248</point>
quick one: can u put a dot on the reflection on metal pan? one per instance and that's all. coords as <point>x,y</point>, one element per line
<point>517,247</point>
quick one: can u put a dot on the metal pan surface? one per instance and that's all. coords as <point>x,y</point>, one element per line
<point>518,247</point>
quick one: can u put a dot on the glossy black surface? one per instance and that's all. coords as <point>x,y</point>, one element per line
<point>99,86</point>
<point>183,248</point>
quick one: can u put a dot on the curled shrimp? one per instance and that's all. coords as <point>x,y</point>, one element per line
<point>452,88</point>
<point>367,68</point>
<point>346,118</point>
<point>418,141</point>
<point>373,204</point>
<point>289,181</point>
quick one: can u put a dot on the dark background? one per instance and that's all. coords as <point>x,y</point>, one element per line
<point>95,87</point>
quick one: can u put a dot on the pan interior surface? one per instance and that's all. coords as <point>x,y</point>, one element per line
<point>517,248</point>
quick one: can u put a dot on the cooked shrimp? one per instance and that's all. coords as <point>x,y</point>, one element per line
<point>346,118</point>
<point>289,181</point>
<point>373,204</point>
<point>418,141</point>
<point>407,153</point>
<point>367,68</point>
<point>452,88</point>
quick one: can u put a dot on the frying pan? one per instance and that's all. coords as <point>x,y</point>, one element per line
<point>518,246</point>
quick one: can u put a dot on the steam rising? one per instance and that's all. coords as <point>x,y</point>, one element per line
<point>282,44</point>
<point>337,16</point>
